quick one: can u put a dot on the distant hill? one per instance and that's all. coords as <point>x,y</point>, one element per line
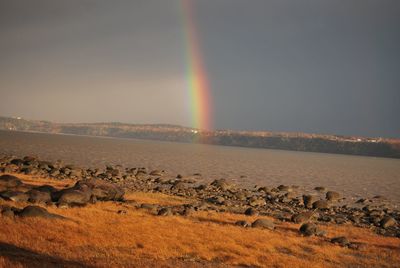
<point>257,139</point>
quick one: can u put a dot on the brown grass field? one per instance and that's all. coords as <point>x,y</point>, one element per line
<point>97,236</point>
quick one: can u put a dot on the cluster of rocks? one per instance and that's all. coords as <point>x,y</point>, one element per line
<point>31,165</point>
<point>284,203</point>
<point>28,211</point>
<point>311,229</point>
<point>80,194</point>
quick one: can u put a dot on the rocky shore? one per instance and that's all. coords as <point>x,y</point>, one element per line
<point>283,202</point>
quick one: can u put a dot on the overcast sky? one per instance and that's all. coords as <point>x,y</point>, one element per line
<point>311,66</point>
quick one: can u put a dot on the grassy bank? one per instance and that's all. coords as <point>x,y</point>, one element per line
<point>100,235</point>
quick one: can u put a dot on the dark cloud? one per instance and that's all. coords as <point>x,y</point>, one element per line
<point>312,66</point>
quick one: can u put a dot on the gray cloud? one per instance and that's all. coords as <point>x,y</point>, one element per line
<point>313,66</point>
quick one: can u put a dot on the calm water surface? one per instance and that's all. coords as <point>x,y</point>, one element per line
<point>354,176</point>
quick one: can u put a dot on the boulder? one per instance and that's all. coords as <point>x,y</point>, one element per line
<point>243,223</point>
<point>308,229</point>
<point>263,189</point>
<point>30,158</point>
<point>36,196</point>
<point>9,181</point>
<point>320,204</point>
<point>102,190</point>
<point>264,224</point>
<point>179,186</point>
<point>164,212</point>
<point>152,208</point>
<point>7,211</point>
<point>157,172</point>
<point>320,189</point>
<point>332,196</point>
<point>15,196</point>
<point>341,241</point>
<point>256,202</point>
<point>241,196</point>
<point>17,161</point>
<point>356,245</point>
<point>308,200</point>
<point>218,200</point>
<point>71,197</point>
<point>302,217</point>
<point>290,195</point>
<point>251,212</point>
<point>187,211</point>
<point>221,184</point>
<point>45,188</point>
<point>387,222</point>
<point>35,211</point>
<point>284,188</point>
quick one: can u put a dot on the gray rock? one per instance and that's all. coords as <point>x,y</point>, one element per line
<point>263,189</point>
<point>320,189</point>
<point>263,223</point>
<point>376,213</point>
<point>152,208</point>
<point>362,201</point>
<point>387,222</point>
<point>45,188</point>
<point>255,202</point>
<point>187,211</point>
<point>326,218</point>
<point>356,245</point>
<point>308,200</point>
<point>7,212</point>
<point>251,212</point>
<point>36,196</point>
<point>17,161</point>
<point>354,218</point>
<point>308,229</point>
<point>222,184</point>
<point>290,195</point>
<point>71,197</point>
<point>331,196</point>
<point>284,188</point>
<point>35,211</point>
<point>179,186</point>
<point>240,196</point>
<point>340,219</point>
<point>15,196</point>
<point>9,181</point>
<point>165,212</point>
<point>320,204</point>
<point>157,172</point>
<point>341,241</point>
<point>243,223</point>
<point>54,173</point>
<point>320,232</point>
<point>102,190</point>
<point>302,217</point>
<point>30,158</point>
<point>218,200</point>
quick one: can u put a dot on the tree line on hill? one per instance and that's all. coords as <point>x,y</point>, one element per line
<point>281,141</point>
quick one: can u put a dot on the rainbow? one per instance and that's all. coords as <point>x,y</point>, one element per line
<point>197,81</point>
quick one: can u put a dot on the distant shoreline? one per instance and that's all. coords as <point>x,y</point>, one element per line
<point>179,142</point>
<point>332,144</point>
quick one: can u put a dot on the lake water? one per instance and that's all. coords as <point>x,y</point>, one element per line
<point>353,176</point>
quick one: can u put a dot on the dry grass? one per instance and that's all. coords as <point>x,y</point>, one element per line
<point>97,235</point>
